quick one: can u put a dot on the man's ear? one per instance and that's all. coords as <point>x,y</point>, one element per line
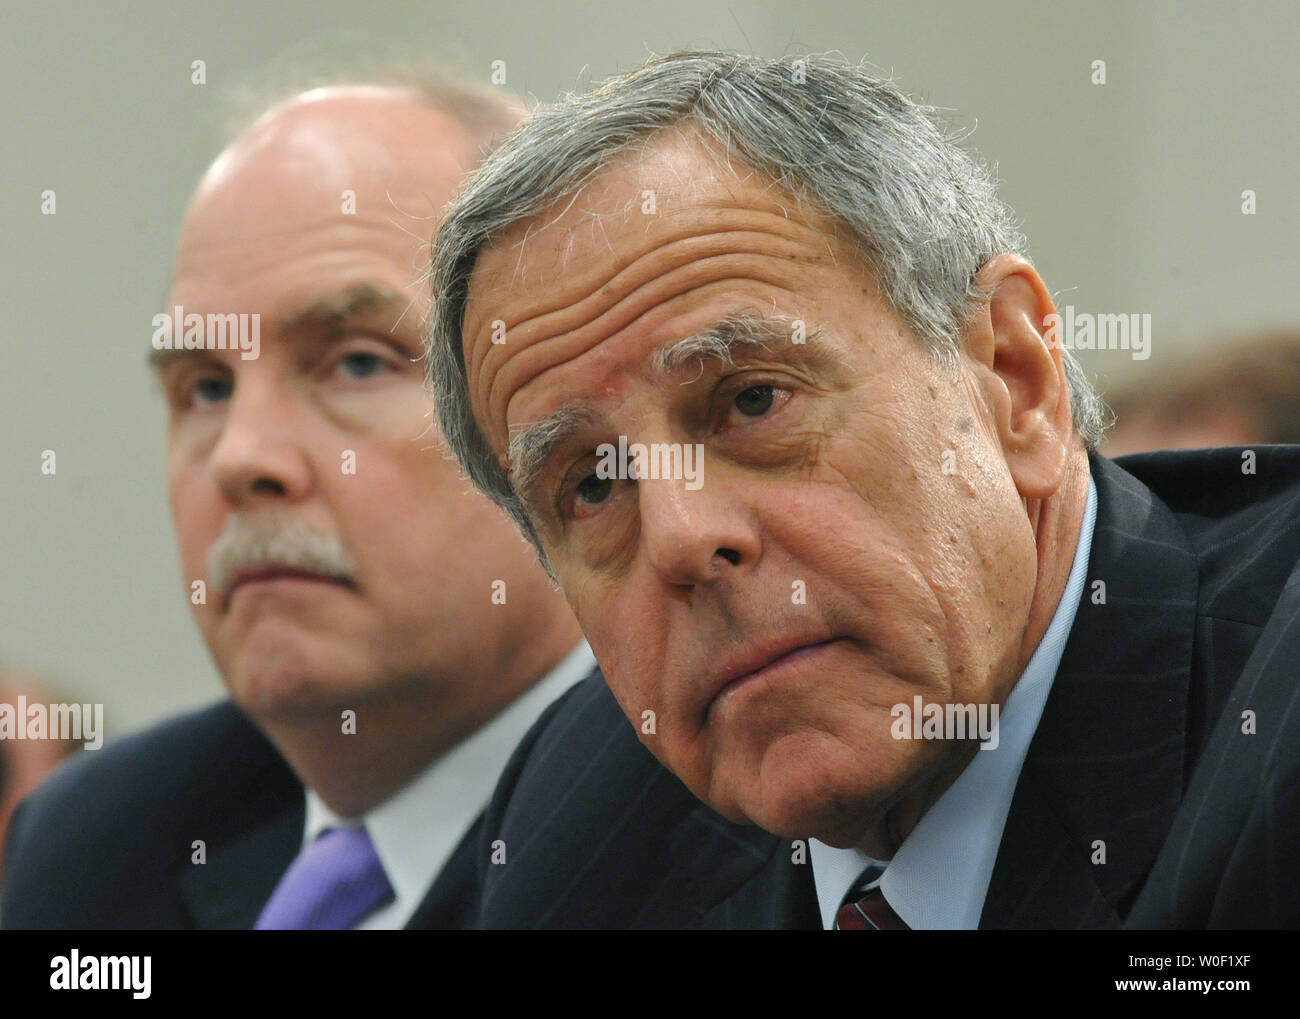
<point>1020,373</point>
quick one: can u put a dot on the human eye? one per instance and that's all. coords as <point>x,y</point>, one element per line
<point>360,362</point>
<point>587,488</point>
<point>197,387</point>
<point>592,491</point>
<point>210,389</point>
<point>584,493</point>
<point>753,402</point>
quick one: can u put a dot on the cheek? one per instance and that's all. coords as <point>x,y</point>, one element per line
<point>861,576</point>
<point>196,517</point>
<point>395,410</point>
<point>929,569</point>
<point>626,634</point>
<point>401,483</point>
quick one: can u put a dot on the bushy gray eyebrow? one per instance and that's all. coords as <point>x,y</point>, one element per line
<point>743,329</point>
<point>531,444</point>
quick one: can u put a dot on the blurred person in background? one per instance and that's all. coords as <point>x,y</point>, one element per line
<point>384,634</point>
<point>24,763</point>
<point>1246,393</point>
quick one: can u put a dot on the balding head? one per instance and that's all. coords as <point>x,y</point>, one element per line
<point>352,162</point>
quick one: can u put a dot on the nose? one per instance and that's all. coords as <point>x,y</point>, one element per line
<point>696,536</point>
<point>259,455</point>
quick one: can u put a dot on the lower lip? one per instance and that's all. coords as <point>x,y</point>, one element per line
<point>290,579</point>
<point>774,672</point>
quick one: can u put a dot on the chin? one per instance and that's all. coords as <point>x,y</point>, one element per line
<point>282,698</point>
<point>273,689</point>
<point>828,816</point>
<point>281,670</point>
<point>821,787</point>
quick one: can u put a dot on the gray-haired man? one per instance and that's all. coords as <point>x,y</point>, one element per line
<point>908,614</point>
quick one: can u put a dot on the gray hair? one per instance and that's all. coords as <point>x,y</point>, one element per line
<point>923,213</point>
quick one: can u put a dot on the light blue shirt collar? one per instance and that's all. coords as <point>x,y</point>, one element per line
<point>940,875</point>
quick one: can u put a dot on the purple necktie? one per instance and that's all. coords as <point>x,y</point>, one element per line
<point>334,883</point>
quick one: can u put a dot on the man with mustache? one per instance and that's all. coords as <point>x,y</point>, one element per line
<point>385,636</point>
<point>900,532</point>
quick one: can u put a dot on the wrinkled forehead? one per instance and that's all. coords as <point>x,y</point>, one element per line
<point>638,194</point>
<point>658,221</point>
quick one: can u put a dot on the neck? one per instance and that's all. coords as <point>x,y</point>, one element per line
<point>354,772</point>
<point>1056,522</point>
<point>356,762</point>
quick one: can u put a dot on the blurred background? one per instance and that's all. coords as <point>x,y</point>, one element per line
<point>1131,193</point>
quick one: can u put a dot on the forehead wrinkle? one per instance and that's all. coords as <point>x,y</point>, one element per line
<point>562,345</point>
<point>678,252</point>
<point>777,221</point>
<point>689,241</point>
<point>641,291</point>
<point>724,201</point>
<point>610,306</point>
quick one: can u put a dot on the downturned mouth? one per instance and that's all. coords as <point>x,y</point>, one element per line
<point>742,670</point>
<point>262,574</point>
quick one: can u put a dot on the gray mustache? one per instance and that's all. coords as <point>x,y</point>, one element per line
<point>275,538</point>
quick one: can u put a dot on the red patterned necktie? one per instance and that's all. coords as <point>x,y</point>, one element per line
<point>865,908</point>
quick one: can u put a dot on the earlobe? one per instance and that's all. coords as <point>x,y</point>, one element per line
<point>1025,373</point>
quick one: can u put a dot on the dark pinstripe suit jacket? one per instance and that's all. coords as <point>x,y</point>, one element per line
<point>106,842</point>
<point>1140,747</point>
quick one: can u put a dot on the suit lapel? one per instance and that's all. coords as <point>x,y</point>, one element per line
<point>599,835</point>
<point>726,876</point>
<point>1104,772</point>
<point>229,891</point>
<point>769,887</point>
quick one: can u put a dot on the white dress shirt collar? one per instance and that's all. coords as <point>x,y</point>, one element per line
<point>940,875</point>
<point>416,830</point>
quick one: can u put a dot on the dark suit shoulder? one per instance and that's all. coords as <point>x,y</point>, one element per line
<point>542,730</point>
<point>551,727</point>
<point>591,831</point>
<point>101,837</point>
<point>1220,865</point>
<point>1240,509</point>
<point>178,767</point>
